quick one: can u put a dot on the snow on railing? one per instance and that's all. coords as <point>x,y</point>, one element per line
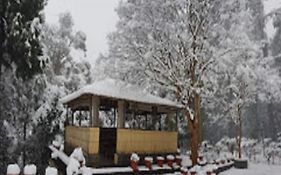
<point>61,155</point>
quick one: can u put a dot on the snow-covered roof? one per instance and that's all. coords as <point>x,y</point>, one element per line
<point>119,90</point>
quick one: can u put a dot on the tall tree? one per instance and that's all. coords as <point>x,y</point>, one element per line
<point>66,50</point>
<point>47,124</point>
<point>163,43</point>
<point>20,35</point>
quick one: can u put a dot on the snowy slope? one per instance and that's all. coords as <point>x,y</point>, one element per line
<point>255,169</point>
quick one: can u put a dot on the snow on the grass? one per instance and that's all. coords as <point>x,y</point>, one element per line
<point>186,161</point>
<point>72,167</point>
<point>30,169</point>
<point>255,169</point>
<point>121,90</point>
<point>13,169</point>
<point>51,171</point>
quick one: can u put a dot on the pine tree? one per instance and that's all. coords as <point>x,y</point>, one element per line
<point>44,131</point>
<point>20,36</point>
<point>5,144</point>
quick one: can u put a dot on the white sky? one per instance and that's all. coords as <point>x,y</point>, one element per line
<point>94,17</point>
<point>98,17</point>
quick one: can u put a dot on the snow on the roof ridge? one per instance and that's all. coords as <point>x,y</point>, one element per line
<point>121,90</point>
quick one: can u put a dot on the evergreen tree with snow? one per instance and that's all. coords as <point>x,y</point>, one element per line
<point>20,35</point>
<point>45,128</point>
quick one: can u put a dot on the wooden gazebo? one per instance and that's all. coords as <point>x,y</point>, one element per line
<point>113,146</point>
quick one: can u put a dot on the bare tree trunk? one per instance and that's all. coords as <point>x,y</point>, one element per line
<point>239,132</point>
<point>24,144</point>
<point>194,128</point>
<point>193,139</point>
<point>198,114</point>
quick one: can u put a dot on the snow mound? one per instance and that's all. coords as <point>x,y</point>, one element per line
<point>150,159</point>
<point>135,157</point>
<point>160,158</point>
<point>51,171</point>
<point>13,169</point>
<point>30,169</point>
<point>170,157</point>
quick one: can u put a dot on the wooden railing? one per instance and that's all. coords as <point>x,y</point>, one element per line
<point>86,138</point>
<point>127,140</point>
<point>145,142</point>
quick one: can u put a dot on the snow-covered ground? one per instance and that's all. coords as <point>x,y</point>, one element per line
<point>255,169</point>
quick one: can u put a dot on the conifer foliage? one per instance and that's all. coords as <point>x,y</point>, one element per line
<point>20,36</point>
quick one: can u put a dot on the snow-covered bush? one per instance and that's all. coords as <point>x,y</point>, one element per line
<point>258,151</point>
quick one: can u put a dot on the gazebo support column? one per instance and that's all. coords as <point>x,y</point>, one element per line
<point>121,114</point>
<point>72,117</point>
<point>94,111</point>
<point>170,117</point>
<point>154,117</point>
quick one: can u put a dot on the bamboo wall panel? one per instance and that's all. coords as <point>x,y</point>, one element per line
<point>86,138</point>
<point>145,142</point>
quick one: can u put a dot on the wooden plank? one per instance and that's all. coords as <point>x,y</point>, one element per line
<point>145,142</point>
<point>86,138</point>
<point>94,140</point>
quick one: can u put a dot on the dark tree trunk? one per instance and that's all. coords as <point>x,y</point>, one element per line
<point>239,132</point>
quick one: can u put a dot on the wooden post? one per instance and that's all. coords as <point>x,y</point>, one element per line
<point>177,120</point>
<point>154,117</point>
<point>146,121</point>
<point>72,117</point>
<point>160,122</point>
<point>80,118</point>
<point>121,114</point>
<point>114,122</point>
<point>66,123</point>
<point>94,111</point>
<point>170,116</point>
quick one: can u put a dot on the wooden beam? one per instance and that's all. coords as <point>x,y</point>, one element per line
<point>94,111</point>
<point>121,114</point>
<point>72,117</point>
